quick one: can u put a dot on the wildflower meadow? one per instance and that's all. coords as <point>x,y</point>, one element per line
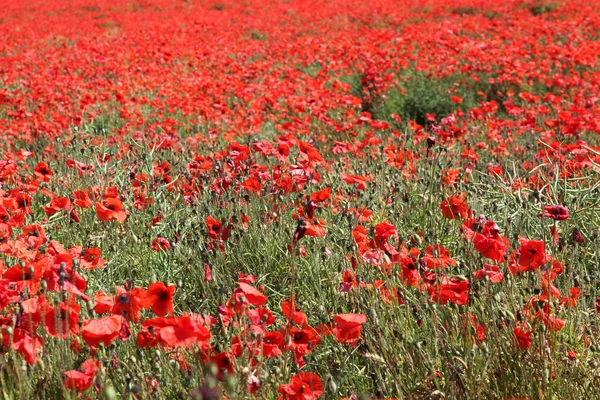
<point>300,199</point>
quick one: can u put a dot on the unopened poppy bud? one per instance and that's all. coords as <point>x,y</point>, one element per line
<point>213,369</point>
<point>230,382</point>
<point>372,314</point>
<point>135,389</point>
<point>333,387</point>
<point>576,236</point>
<point>109,392</point>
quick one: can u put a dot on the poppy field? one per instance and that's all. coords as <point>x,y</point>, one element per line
<point>276,199</point>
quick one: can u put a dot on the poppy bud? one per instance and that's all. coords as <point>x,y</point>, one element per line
<point>333,387</point>
<point>576,236</point>
<point>372,314</point>
<point>300,231</point>
<point>109,392</point>
<point>135,389</point>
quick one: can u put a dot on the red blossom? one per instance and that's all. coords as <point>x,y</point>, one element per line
<point>348,327</point>
<point>557,212</point>
<point>303,386</point>
<point>456,207</point>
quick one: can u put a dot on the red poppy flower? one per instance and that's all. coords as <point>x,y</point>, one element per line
<point>111,192</point>
<point>23,342</point>
<point>216,229</point>
<point>523,338</point>
<point>249,294</point>
<point>89,258</point>
<point>127,303</point>
<point>308,149</point>
<point>491,271</point>
<point>243,278</point>
<point>456,207</point>
<point>12,219</point>
<point>315,228</point>
<point>486,238</point>
<point>253,384</point>
<point>103,330</point>
<point>300,232</point>
<point>303,386</point>
<point>302,341</point>
<point>437,256</point>
<point>224,363</point>
<point>252,185</point>
<point>27,276</point>
<point>34,310</point>
<point>289,311</point>
<point>261,317</point>
<point>33,236</point>
<point>571,300</point>
<point>159,298</point>
<point>18,201</point>
<point>556,212</point>
<point>56,204</point>
<point>539,308</point>
<point>282,151</point>
<point>111,209</point>
<point>359,181</point>
<point>74,216</point>
<point>348,327</point>
<point>348,281</point>
<point>83,378</point>
<point>492,248</point>
<point>383,232</point>
<point>450,290</point>
<point>61,276</point>
<point>42,172</point>
<point>532,254</point>
<point>321,195</point>
<point>63,320</point>
<point>82,199</point>
<point>272,342</point>
<point>160,243</point>
<point>103,302</point>
<point>173,332</point>
<point>82,169</point>
<point>207,273</point>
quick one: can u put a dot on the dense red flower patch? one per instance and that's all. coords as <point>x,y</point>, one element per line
<point>299,199</point>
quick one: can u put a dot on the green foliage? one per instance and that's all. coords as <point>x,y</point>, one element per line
<point>418,95</point>
<point>464,11</point>
<point>542,7</point>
